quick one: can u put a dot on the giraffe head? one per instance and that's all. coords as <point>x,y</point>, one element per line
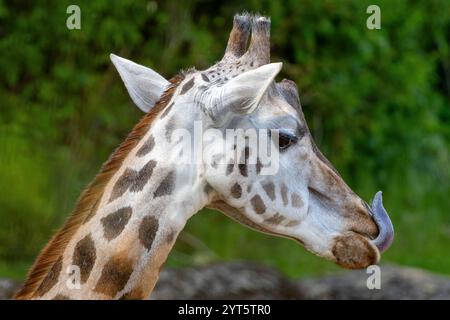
<point>304,197</point>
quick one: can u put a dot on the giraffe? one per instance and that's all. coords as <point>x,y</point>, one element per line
<point>127,220</point>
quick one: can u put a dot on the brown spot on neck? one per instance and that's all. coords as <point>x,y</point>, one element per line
<point>123,184</point>
<point>114,223</point>
<point>147,231</point>
<point>166,186</point>
<point>84,257</point>
<point>115,275</point>
<point>143,176</point>
<point>147,147</point>
<point>56,246</point>
<point>132,180</point>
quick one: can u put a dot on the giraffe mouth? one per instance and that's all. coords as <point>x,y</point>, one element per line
<point>385,236</point>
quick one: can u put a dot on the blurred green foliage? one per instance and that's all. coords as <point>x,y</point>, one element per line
<point>377,102</point>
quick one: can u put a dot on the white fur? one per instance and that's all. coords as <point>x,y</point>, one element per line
<point>144,85</point>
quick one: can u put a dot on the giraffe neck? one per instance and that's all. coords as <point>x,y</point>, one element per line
<point>118,249</point>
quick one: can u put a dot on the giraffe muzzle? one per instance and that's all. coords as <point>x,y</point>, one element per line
<point>385,227</point>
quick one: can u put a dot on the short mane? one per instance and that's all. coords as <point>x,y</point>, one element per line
<point>87,203</point>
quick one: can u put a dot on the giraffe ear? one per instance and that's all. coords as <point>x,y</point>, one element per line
<point>144,85</point>
<point>243,93</point>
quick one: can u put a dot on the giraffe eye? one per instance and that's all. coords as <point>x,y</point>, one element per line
<point>286,140</point>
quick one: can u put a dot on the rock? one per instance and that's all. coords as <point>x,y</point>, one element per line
<point>238,280</point>
<point>244,280</point>
<point>8,288</point>
<point>397,283</point>
<point>252,281</point>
